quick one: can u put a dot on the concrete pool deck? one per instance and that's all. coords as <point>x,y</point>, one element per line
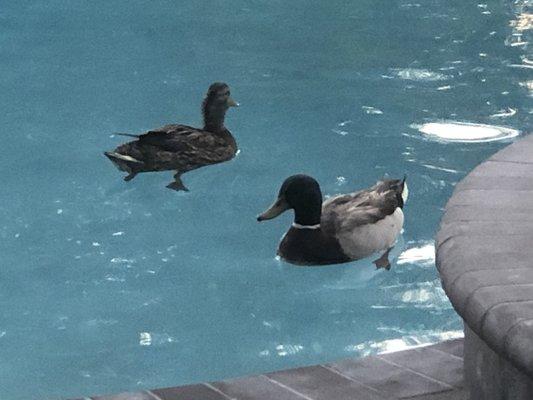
<point>484,252</point>
<point>425,373</point>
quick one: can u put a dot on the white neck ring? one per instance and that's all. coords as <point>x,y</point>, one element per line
<point>298,226</point>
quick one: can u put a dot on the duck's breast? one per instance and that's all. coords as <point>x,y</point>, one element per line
<point>363,240</point>
<point>310,247</point>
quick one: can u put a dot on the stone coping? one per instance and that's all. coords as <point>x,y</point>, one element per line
<point>484,252</point>
<point>426,373</point>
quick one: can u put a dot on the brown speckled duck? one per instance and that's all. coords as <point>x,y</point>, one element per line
<point>343,228</point>
<point>180,147</point>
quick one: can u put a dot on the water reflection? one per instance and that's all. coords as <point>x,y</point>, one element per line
<point>467,132</point>
<point>408,340</point>
<point>520,36</point>
<point>416,74</point>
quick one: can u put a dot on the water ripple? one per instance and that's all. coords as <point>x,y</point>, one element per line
<point>415,74</point>
<point>465,131</point>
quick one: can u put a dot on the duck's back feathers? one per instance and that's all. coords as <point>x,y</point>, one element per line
<point>170,137</point>
<point>366,221</point>
<point>396,186</point>
<point>364,207</point>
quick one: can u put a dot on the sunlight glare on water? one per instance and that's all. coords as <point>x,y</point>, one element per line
<point>465,132</point>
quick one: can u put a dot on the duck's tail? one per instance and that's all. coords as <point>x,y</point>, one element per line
<point>126,134</point>
<point>398,187</point>
<point>124,162</point>
<point>403,190</point>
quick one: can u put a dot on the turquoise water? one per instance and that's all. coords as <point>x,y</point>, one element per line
<point>109,286</point>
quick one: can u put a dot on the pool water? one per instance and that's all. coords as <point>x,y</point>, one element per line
<point>109,286</point>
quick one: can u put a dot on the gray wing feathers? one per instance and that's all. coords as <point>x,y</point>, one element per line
<point>346,212</point>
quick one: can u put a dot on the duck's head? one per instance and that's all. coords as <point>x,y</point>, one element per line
<point>216,103</point>
<point>300,193</point>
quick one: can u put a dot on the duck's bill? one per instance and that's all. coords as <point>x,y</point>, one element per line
<point>232,103</point>
<point>279,206</point>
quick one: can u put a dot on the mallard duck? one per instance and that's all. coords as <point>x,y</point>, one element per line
<point>180,147</point>
<point>344,228</point>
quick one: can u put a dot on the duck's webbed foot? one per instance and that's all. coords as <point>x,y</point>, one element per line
<point>177,185</point>
<point>383,261</point>
<point>130,176</point>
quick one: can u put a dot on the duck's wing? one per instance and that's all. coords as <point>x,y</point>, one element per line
<point>368,206</point>
<point>189,147</point>
<point>172,138</point>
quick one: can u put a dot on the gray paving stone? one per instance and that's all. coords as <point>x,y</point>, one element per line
<point>496,198</point>
<point>491,182</point>
<point>482,228</point>
<point>393,380</point>
<point>473,213</point>
<point>503,317</point>
<point>469,282</point>
<point>492,376</point>
<point>488,244</point>
<point>255,388</point>
<point>320,383</point>
<point>486,299</point>
<point>518,345</point>
<point>189,392</point>
<point>127,396</point>
<point>454,347</point>
<point>485,253</point>
<point>441,366</point>
<point>519,152</point>
<point>460,255</point>
<point>502,169</point>
<point>456,394</point>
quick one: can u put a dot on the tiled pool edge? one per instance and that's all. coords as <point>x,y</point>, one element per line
<point>426,373</point>
<point>484,254</point>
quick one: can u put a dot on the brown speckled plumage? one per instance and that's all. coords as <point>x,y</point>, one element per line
<point>180,147</point>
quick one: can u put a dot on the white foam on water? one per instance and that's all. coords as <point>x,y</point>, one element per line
<point>405,342</point>
<point>424,254</point>
<point>466,132</point>
<point>371,110</point>
<point>120,260</point>
<point>341,180</point>
<point>340,129</point>
<point>509,112</point>
<point>416,296</point>
<point>145,339</point>
<point>416,74</point>
<point>288,349</point>
<point>156,339</point>
<point>435,167</point>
